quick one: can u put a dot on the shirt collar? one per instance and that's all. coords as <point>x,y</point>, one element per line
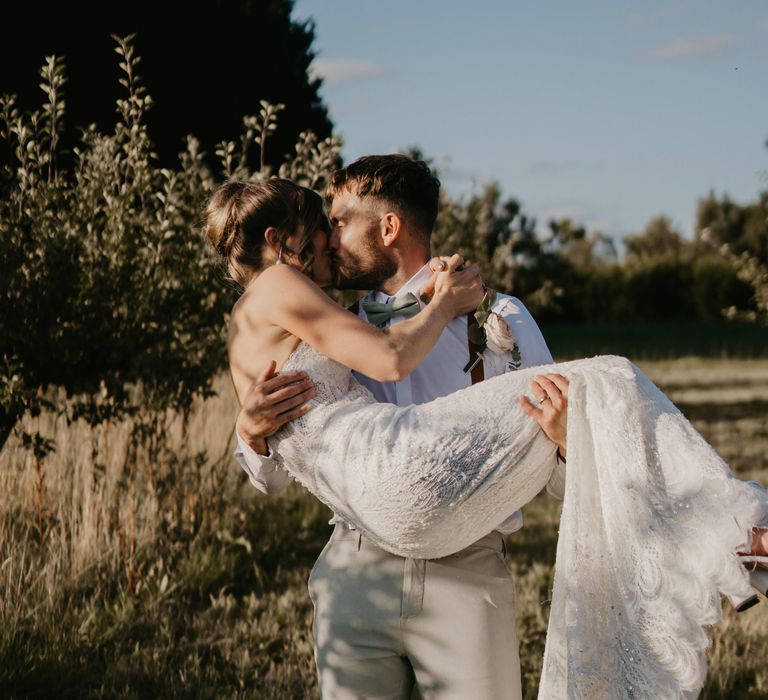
<point>413,285</point>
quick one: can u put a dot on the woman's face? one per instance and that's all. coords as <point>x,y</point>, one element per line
<point>321,265</point>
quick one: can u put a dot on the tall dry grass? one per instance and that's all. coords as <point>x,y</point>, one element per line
<point>136,560</point>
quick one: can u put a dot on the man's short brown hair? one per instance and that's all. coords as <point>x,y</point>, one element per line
<point>407,185</point>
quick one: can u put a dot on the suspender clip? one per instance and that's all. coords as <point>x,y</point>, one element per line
<point>472,362</point>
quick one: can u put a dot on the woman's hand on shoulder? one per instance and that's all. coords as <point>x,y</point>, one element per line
<point>459,288</point>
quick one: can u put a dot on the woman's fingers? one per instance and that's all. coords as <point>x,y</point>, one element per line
<point>550,418</point>
<point>463,284</point>
<point>561,382</point>
<point>530,410</point>
<point>538,393</point>
<point>428,289</point>
<point>439,263</point>
<point>551,391</point>
<point>454,262</point>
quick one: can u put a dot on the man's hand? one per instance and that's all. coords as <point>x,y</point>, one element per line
<point>551,391</point>
<point>273,400</point>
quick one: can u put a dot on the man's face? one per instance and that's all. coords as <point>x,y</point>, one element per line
<point>358,255</point>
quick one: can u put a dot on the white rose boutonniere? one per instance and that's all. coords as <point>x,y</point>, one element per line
<point>499,338</point>
<point>493,332</point>
<point>498,334</point>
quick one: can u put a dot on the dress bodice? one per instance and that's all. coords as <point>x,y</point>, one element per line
<point>333,380</point>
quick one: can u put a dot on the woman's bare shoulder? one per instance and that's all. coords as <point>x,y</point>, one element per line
<point>283,286</point>
<point>280,276</point>
<point>269,285</point>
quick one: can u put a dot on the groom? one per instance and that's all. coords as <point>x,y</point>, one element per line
<point>384,623</point>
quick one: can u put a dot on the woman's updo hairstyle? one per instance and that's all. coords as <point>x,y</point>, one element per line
<point>238,213</point>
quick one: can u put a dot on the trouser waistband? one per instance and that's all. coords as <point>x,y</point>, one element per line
<point>493,540</point>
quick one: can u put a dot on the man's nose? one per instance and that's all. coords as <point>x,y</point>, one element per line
<point>333,240</point>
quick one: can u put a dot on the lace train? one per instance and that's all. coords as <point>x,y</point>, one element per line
<point>651,520</point>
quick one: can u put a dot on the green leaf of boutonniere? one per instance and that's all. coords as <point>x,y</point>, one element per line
<point>477,335</point>
<point>484,310</point>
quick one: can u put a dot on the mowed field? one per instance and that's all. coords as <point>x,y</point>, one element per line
<point>162,573</point>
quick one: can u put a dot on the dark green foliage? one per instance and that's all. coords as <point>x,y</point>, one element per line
<point>744,228</point>
<point>206,64</point>
<point>110,290</point>
<point>656,339</point>
<point>574,275</point>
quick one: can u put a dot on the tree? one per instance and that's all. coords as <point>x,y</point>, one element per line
<point>107,283</point>
<point>205,64</point>
<point>744,228</point>
<point>658,241</point>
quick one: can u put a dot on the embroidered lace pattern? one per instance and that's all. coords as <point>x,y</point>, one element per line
<point>651,520</point>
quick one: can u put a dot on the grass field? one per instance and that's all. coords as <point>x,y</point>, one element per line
<point>138,573</point>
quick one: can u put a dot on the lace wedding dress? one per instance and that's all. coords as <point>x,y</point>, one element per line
<point>652,516</point>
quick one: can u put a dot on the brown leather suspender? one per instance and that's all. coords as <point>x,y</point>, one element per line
<point>477,372</point>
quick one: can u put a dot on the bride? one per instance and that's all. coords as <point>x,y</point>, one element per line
<point>652,517</point>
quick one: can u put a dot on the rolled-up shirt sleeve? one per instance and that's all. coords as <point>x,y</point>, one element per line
<point>556,484</point>
<point>263,471</point>
<point>525,329</point>
<point>536,353</point>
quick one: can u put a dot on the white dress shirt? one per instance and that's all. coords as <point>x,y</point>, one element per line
<point>441,373</point>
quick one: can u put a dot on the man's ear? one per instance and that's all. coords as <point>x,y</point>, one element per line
<point>391,227</point>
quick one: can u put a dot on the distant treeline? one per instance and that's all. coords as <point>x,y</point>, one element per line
<point>571,274</point>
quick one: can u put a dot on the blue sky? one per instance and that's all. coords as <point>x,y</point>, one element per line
<point>608,112</point>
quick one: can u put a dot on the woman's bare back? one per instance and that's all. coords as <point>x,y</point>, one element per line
<point>253,343</point>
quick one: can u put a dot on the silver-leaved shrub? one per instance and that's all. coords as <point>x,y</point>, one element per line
<point>109,289</point>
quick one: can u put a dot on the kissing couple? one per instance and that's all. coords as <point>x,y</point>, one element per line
<point>426,433</point>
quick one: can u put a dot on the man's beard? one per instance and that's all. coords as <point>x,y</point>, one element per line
<point>367,271</point>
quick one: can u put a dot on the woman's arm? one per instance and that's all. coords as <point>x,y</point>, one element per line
<point>289,299</point>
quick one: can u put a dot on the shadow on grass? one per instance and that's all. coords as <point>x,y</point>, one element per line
<point>232,621</point>
<point>734,411</point>
<point>656,340</point>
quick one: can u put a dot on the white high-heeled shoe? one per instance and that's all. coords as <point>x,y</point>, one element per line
<point>758,578</point>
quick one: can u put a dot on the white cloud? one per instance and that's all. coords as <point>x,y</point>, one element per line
<point>693,47</point>
<point>336,71</point>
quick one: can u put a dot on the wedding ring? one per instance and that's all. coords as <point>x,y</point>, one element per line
<point>543,399</point>
<point>439,266</point>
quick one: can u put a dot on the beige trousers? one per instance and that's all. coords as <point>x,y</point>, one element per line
<point>383,623</point>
